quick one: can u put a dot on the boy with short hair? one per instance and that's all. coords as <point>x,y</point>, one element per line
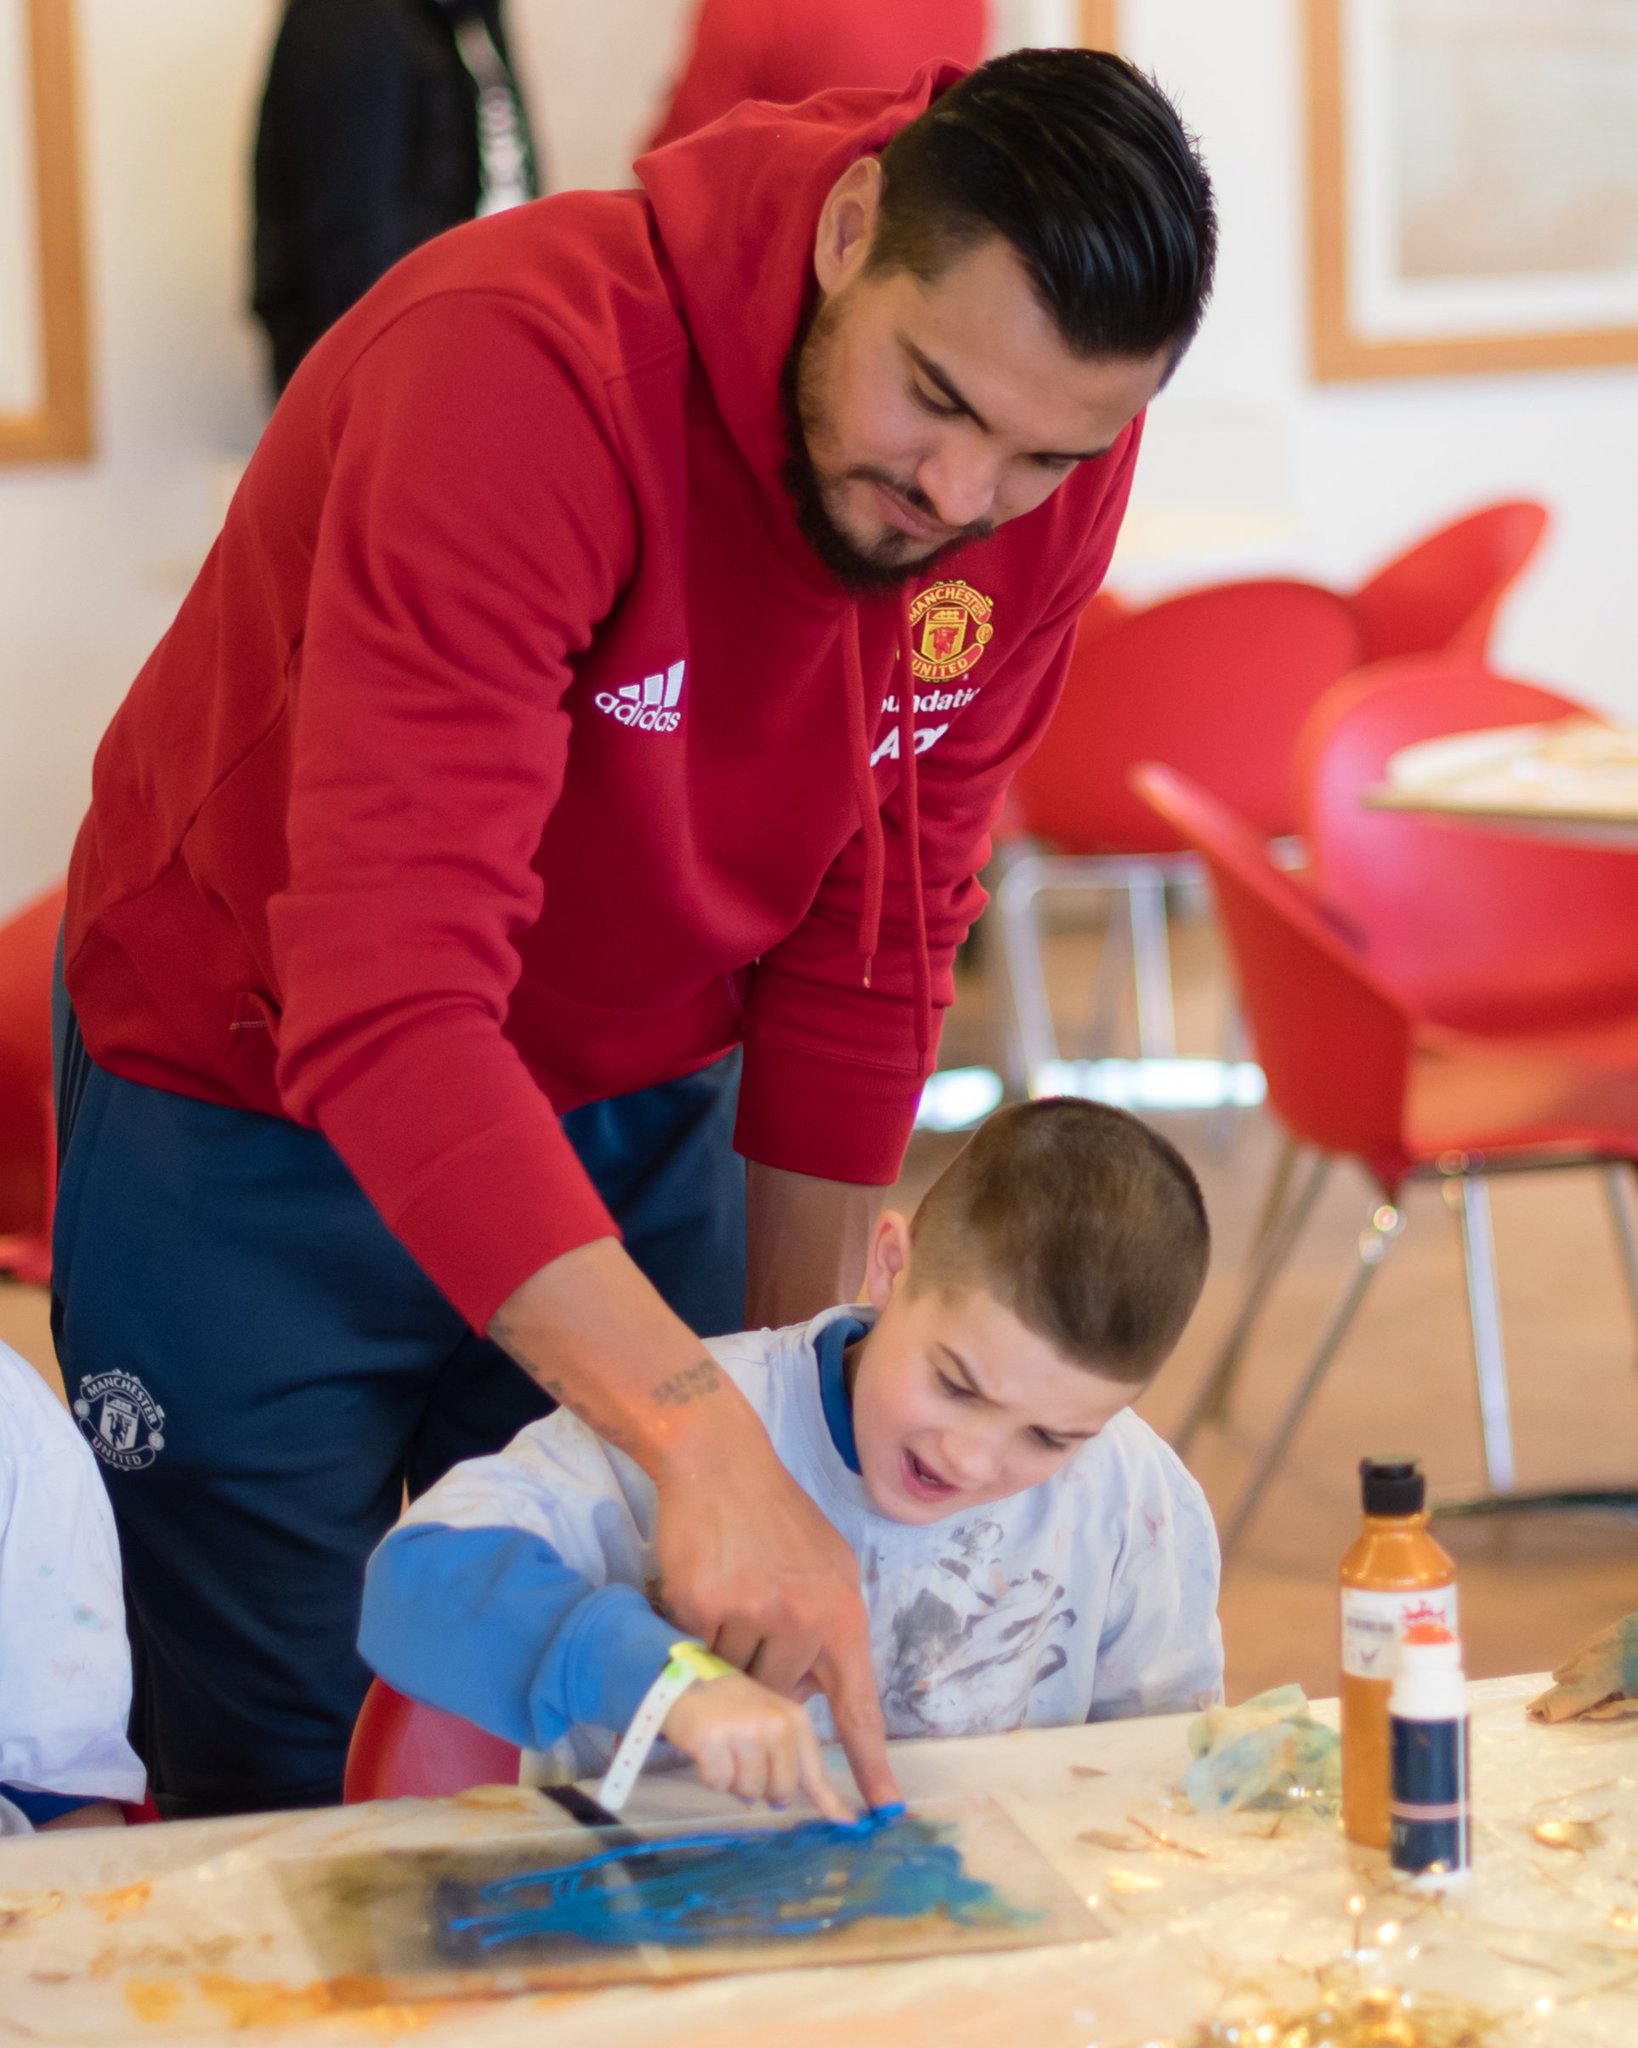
<point>1031,1553</point>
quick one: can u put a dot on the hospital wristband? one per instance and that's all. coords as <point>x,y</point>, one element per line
<point>686,1663</point>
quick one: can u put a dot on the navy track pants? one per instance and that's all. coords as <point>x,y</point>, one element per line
<point>262,1369</point>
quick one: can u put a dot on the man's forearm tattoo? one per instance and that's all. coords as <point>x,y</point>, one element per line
<point>691,1384</point>
<point>607,1426</point>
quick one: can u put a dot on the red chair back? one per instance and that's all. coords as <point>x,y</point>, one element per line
<point>1333,1042</point>
<point>1441,594</point>
<point>28,1163</point>
<point>1482,929</point>
<point>1216,682</point>
<point>1106,608</point>
<point>403,1750</point>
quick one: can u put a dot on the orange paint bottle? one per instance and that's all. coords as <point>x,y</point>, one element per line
<point>1394,1575</point>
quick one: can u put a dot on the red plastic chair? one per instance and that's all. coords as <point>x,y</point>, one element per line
<point>403,1750</point>
<point>1217,681</point>
<point>1441,594</point>
<point>28,1140</point>
<point>1483,929</point>
<point>1356,1068</point>
<point>1106,608</point>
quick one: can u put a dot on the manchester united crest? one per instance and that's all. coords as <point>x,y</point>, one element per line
<point>121,1419</point>
<point>950,628</point>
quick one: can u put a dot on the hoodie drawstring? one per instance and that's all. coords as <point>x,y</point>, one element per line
<point>909,774</point>
<point>860,726</point>
<point>864,792</point>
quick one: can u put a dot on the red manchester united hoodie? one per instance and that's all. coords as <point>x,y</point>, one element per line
<point>512,749</point>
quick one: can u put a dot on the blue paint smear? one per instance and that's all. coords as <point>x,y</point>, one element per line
<point>721,1886</point>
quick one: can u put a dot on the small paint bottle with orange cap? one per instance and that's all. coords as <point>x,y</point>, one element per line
<point>1428,1745</point>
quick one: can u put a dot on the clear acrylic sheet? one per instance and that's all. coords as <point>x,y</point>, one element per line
<point>406,1920</point>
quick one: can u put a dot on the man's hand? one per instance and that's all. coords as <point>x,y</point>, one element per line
<point>750,1566</point>
<point>747,1562</point>
<point>746,1740</point>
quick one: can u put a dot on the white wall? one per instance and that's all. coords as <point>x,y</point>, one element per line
<point>597,75</point>
<point>93,558</point>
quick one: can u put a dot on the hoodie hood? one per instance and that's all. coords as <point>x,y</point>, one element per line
<point>736,206</point>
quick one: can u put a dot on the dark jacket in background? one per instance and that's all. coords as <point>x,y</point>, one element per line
<point>367,147</point>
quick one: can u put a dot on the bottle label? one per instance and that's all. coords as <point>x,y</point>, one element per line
<point>1429,1808</point>
<point>1373,1622</point>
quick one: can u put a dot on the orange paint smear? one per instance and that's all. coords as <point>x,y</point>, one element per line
<point>154,2002</point>
<point>246,2003</point>
<point>114,1905</point>
<point>360,2003</point>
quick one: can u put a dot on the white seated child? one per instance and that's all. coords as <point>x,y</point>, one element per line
<point>65,1664</point>
<point>1031,1553</point>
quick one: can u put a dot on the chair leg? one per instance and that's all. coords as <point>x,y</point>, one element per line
<point>1279,1188</point>
<point>1114,968</point>
<point>1273,1248</point>
<point>1016,904</point>
<point>1472,1198</point>
<point>1384,1226</point>
<point>1621,1191</point>
<point>1003,1006</point>
<point>1152,967</point>
<point>1217,1133</point>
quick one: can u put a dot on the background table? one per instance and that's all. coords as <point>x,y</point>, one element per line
<point>1573,780</point>
<point>180,1932</point>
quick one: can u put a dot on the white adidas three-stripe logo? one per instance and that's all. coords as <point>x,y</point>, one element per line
<point>651,705</point>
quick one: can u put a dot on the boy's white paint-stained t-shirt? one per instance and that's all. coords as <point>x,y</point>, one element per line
<point>65,1664</point>
<point>1090,1596</point>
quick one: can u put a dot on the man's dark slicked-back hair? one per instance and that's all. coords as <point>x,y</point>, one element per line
<point>1081,162</point>
<point>1082,1221</point>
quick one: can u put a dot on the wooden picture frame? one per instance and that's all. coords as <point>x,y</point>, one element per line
<point>45,413</point>
<point>1370,316</point>
<point>1099,24</point>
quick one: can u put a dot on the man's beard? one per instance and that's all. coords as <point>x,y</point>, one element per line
<point>886,563</point>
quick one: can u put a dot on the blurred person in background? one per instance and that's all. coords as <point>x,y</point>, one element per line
<point>383,122</point>
<point>787,50</point>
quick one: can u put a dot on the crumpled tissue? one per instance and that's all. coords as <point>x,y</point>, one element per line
<point>1598,1682</point>
<point>1267,1753</point>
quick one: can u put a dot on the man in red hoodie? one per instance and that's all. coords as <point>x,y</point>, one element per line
<point>607,671</point>
<point>751,50</point>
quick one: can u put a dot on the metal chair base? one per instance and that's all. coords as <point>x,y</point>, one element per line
<point>1137,926</point>
<point>1465,1186</point>
<point>1546,1500</point>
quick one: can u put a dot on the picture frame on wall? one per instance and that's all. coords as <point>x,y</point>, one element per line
<point>1473,185</point>
<point>44,402</point>
<point>1099,24</point>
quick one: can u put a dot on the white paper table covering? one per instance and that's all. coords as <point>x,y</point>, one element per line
<point>1548,1936</point>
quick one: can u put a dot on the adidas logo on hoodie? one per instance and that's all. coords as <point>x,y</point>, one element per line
<point>651,705</point>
